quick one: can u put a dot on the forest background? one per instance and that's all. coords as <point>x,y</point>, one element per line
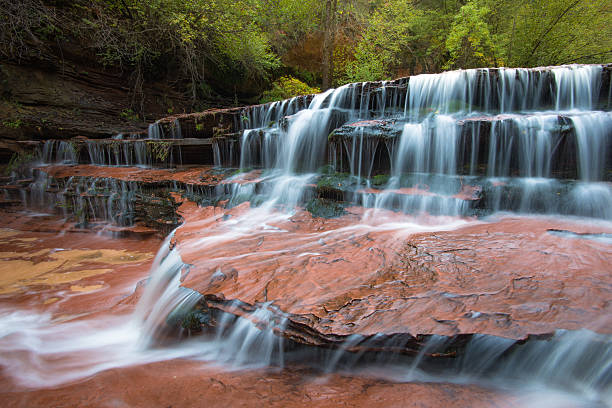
<point>248,51</point>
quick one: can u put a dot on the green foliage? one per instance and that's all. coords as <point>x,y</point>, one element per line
<point>203,39</point>
<point>211,47</point>
<point>469,42</point>
<point>128,114</point>
<point>398,36</point>
<point>402,38</point>
<point>287,87</point>
<point>287,22</point>
<point>542,32</point>
<point>160,150</point>
<point>13,124</point>
<point>19,161</point>
<point>24,23</point>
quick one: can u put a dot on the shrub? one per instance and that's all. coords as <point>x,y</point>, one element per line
<point>287,87</point>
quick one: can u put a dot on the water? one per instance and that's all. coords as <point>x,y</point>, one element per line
<point>569,367</point>
<point>592,137</point>
<point>59,152</point>
<point>548,373</point>
<point>517,126</point>
<point>40,351</point>
<point>528,128</point>
<point>453,145</point>
<point>155,131</point>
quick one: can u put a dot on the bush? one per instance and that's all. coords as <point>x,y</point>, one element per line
<point>287,87</point>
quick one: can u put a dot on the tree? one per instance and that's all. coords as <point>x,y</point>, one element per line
<point>470,43</point>
<point>328,43</point>
<point>560,32</point>
<point>398,37</point>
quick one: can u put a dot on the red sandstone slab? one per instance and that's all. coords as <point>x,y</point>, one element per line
<point>203,175</point>
<point>181,383</point>
<point>508,278</point>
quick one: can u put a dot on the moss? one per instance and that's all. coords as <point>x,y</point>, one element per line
<point>380,180</point>
<point>159,149</point>
<point>19,162</point>
<point>240,171</point>
<point>129,115</point>
<point>323,208</point>
<point>327,169</point>
<point>192,319</point>
<point>12,124</point>
<point>332,186</point>
<point>287,87</point>
<point>195,319</point>
<point>334,180</point>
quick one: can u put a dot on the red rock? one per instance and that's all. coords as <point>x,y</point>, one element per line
<point>181,383</point>
<point>508,278</point>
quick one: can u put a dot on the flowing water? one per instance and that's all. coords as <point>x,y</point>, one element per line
<point>418,157</point>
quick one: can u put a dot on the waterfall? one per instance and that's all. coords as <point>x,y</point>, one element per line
<point>457,143</point>
<point>576,86</point>
<point>155,131</point>
<point>59,152</point>
<point>593,130</point>
<point>250,340</point>
<point>460,143</point>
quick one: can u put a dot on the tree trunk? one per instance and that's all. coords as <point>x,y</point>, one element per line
<point>328,43</point>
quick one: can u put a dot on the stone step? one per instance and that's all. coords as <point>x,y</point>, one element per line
<point>500,145</point>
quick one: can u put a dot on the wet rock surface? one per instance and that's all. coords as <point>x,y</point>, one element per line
<point>506,277</point>
<point>184,383</point>
<point>46,265</point>
<point>115,290</point>
<point>128,197</point>
<point>202,175</point>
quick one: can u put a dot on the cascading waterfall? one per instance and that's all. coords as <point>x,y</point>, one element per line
<point>163,294</point>
<point>140,153</point>
<point>511,139</point>
<point>299,147</point>
<point>526,140</point>
<point>87,199</point>
<point>576,87</point>
<point>110,152</point>
<point>155,131</point>
<point>242,341</point>
<point>592,133</point>
<point>266,115</point>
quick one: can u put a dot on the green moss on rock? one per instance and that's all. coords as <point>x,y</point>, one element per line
<point>324,208</point>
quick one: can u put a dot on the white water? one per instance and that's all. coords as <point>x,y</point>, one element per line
<point>440,134</point>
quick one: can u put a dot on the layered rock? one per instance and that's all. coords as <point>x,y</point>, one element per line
<point>508,278</point>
